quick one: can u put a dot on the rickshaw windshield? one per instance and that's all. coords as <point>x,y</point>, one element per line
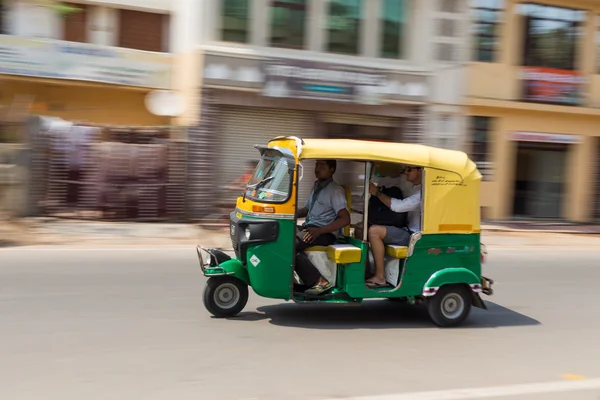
<point>272,179</point>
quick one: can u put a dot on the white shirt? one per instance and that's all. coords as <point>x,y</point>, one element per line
<point>412,205</point>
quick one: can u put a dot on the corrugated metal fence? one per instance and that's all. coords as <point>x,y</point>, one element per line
<point>107,173</point>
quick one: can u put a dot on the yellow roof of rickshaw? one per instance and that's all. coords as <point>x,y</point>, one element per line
<point>404,153</point>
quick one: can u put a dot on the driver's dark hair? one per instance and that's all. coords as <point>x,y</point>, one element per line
<point>331,164</point>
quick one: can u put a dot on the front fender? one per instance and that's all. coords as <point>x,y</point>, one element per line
<point>451,276</point>
<point>232,267</point>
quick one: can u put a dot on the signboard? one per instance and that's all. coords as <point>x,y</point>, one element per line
<point>544,137</point>
<point>310,80</point>
<point>548,85</point>
<point>83,61</point>
<point>304,79</point>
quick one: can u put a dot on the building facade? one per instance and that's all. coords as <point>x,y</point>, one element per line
<point>533,102</point>
<point>390,70</point>
<point>93,62</point>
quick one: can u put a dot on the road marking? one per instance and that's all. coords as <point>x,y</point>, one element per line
<point>572,377</point>
<point>489,392</point>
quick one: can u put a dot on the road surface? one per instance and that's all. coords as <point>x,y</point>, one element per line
<point>128,323</point>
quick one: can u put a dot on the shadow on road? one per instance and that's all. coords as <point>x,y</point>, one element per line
<point>377,315</point>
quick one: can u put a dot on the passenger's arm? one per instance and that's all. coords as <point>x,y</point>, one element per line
<point>405,186</point>
<point>396,205</point>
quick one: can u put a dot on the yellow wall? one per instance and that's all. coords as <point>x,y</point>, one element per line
<point>494,90</point>
<point>498,194</point>
<point>186,80</point>
<point>93,103</point>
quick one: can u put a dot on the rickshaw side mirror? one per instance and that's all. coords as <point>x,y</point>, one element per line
<point>300,172</point>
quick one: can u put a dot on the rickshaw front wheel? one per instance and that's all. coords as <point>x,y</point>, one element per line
<point>450,306</point>
<point>225,296</point>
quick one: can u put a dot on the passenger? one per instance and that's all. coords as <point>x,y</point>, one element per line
<point>326,213</point>
<point>390,176</point>
<point>379,235</point>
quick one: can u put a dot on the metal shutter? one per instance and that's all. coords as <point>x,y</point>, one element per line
<point>240,128</point>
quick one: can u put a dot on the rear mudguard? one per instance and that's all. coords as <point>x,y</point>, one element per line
<point>232,267</point>
<point>451,276</point>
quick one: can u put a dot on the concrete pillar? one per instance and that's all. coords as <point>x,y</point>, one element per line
<point>510,38</point>
<point>370,42</point>
<point>504,158</point>
<point>580,172</point>
<point>420,48</point>
<point>260,22</point>
<point>317,25</point>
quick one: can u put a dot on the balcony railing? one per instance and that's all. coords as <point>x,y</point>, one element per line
<point>56,59</point>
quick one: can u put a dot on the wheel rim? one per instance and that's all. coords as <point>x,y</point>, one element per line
<point>227,295</point>
<point>453,306</point>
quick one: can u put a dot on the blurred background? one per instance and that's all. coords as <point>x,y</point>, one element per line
<point>126,133</point>
<point>149,109</point>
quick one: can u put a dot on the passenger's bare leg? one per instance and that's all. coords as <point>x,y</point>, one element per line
<point>376,236</point>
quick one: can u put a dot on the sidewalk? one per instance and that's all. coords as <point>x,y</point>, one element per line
<point>541,227</point>
<point>47,231</point>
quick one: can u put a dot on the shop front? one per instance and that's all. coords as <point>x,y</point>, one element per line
<point>82,81</point>
<point>543,165</point>
<point>247,101</point>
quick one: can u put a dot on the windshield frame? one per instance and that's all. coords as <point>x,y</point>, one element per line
<point>287,156</point>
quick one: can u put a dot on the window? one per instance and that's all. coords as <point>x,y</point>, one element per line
<point>3,13</point>
<point>392,28</point>
<point>449,6</point>
<point>551,36</point>
<point>75,23</point>
<point>272,180</point>
<point>143,30</point>
<point>344,26</point>
<point>481,132</point>
<point>487,18</point>
<point>235,21</point>
<point>288,21</point>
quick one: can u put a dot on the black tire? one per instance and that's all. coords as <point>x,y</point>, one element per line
<point>225,296</point>
<point>450,306</point>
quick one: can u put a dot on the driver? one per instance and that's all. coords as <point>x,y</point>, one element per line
<point>326,213</point>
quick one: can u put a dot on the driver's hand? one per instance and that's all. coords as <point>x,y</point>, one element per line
<point>311,234</point>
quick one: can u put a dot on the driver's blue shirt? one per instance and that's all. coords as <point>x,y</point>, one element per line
<point>324,209</point>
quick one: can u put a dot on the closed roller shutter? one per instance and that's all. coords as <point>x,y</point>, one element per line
<point>240,128</point>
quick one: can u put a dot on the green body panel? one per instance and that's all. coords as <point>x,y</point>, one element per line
<point>231,267</point>
<point>432,253</point>
<point>437,260</point>
<point>451,276</point>
<point>272,276</point>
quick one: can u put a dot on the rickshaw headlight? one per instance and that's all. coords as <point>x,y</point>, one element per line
<point>247,233</point>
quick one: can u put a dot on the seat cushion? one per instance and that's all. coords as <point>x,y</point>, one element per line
<point>396,251</point>
<point>344,253</point>
<point>316,248</point>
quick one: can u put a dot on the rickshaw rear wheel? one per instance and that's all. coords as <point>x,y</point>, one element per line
<point>450,306</point>
<point>225,296</point>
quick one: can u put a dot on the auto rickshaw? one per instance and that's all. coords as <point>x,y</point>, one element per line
<point>440,268</point>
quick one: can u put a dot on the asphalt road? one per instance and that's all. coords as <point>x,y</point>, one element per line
<point>129,324</point>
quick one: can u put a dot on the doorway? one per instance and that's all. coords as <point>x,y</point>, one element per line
<point>539,180</point>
